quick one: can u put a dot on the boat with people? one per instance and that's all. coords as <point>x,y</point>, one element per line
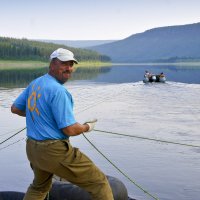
<point>150,78</point>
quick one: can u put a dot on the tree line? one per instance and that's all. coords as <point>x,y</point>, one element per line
<point>24,49</point>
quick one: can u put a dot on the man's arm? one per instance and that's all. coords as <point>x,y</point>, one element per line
<point>75,129</point>
<point>17,111</point>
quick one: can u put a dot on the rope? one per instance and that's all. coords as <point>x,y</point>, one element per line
<point>9,132</point>
<point>126,135</point>
<point>146,138</point>
<point>131,180</point>
<point>11,144</point>
<point>13,135</point>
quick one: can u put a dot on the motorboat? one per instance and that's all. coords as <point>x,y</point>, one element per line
<point>149,78</point>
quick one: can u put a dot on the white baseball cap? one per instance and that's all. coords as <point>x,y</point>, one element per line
<point>63,55</point>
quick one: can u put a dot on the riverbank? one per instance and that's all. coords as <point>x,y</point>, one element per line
<point>37,65</point>
<point>30,64</point>
<point>16,64</point>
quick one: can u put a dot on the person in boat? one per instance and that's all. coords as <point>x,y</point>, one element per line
<point>147,74</point>
<point>48,108</point>
<point>161,75</point>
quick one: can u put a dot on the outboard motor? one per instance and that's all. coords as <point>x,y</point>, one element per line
<point>153,78</point>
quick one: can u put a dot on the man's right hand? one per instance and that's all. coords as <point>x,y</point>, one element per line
<point>91,124</point>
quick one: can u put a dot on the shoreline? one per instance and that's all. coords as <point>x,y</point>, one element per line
<point>31,64</point>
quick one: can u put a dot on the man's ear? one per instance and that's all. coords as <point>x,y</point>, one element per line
<point>51,67</point>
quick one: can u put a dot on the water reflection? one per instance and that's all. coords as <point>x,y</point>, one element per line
<point>111,74</point>
<point>135,73</point>
<point>21,78</point>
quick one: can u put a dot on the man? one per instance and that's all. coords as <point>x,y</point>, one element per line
<point>147,74</point>
<point>48,108</point>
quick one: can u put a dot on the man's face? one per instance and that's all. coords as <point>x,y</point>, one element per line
<point>62,70</point>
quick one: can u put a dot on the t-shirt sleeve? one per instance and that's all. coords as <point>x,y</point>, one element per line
<point>62,108</point>
<point>20,102</point>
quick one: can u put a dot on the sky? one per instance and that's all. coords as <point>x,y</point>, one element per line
<point>92,19</point>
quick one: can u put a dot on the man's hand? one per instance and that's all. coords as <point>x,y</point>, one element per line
<point>91,124</point>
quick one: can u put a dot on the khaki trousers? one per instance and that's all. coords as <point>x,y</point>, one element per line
<point>60,158</point>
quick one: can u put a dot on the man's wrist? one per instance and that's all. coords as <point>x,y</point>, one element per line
<point>87,127</point>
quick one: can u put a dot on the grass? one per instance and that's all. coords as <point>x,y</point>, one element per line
<point>93,64</point>
<point>12,64</point>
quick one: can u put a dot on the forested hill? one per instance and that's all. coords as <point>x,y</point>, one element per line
<point>23,49</point>
<point>165,44</point>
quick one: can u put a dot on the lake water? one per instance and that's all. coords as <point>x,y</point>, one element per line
<point>122,104</point>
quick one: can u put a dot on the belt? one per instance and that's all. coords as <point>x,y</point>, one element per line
<point>45,142</point>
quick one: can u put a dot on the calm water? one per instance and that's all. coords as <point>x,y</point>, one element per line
<point>123,104</point>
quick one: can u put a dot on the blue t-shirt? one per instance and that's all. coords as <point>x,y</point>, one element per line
<point>49,108</point>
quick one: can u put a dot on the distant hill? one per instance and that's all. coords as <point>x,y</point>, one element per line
<point>79,43</point>
<point>172,43</point>
<point>23,49</point>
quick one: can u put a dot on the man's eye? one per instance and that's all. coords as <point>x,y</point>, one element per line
<point>67,64</point>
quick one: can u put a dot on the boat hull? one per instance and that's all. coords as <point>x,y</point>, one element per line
<point>155,78</point>
<point>62,190</point>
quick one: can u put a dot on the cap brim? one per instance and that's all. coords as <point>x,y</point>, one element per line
<point>64,59</point>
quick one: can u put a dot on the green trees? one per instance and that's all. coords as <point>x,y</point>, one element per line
<point>23,49</point>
